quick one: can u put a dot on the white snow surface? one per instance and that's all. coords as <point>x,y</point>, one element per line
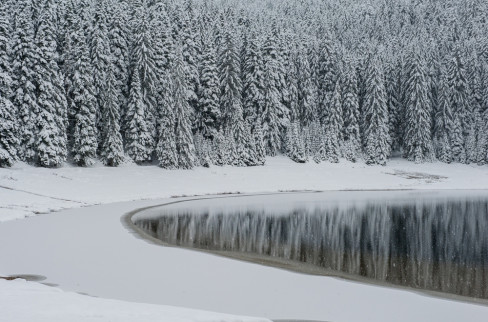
<point>39,190</point>
<point>89,250</point>
<point>22,301</point>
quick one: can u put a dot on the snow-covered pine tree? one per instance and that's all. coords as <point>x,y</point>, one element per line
<point>253,81</point>
<point>9,141</point>
<point>142,62</point>
<point>187,36</point>
<point>350,109</point>
<point>417,139</point>
<point>208,115</point>
<point>458,89</point>
<point>51,142</point>
<point>275,114</point>
<point>100,54</point>
<point>118,35</point>
<point>375,118</point>
<point>83,106</point>
<point>230,84</point>
<point>327,77</point>
<point>138,138</point>
<point>443,122</point>
<point>395,110</point>
<point>307,98</point>
<point>333,126</point>
<point>112,152</point>
<point>183,132</point>
<point>292,84</point>
<point>23,56</point>
<point>166,146</point>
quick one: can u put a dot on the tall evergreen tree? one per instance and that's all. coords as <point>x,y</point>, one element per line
<point>375,117</point>
<point>253,80</point>
<point>307,98</point>
<point>166,147</point>
<point>112,147</point>
<point>333,126</point>
<point>417,141</point>
<point>183,133</point>
<point>143,63</point>
<point>458,89</point>
<point>350,108</point>
<point>24,91</point>
<point>327,77</point>
<point>208,115</point>
<point>138,138</point>
<point>51,140</point>
<point>275,113</point>
<point>83,107</point>
<point>101,60</point>
<point>9,141</point>
<point>443,123</point>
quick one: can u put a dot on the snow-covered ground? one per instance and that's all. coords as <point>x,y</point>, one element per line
<point>89,250</point>
<point>26,190</point>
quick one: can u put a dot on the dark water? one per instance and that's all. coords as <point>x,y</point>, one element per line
<point>435,244</point>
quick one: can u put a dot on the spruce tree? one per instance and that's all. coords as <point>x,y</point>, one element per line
<point>333,126</point>
<point>118,35</point>
<point>83,107</point>
<point>350,108</point>
<point>327,77</point>
<point>375,119</point>
<point>208,116</point>
<point>166,147</point>
<point>275,114</point>
<point>142,62</point>
<point>23,56</point>
<point>183,132</point>
<point>458,89</point>
<point>100,59</point>
<point>112,147</point>
<point>417,141</point>
<point>51,141</point>
<point>9,141</point>
<point>253,81</point>
<point>307,98</point>
<point>443,123</point>
<point>138,137</point>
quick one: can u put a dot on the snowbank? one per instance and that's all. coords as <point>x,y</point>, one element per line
<point>26,190</point>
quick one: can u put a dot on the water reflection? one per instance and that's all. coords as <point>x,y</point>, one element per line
<point>439,245</point>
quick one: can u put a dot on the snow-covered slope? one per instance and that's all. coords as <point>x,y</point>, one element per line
<point>26,190</point>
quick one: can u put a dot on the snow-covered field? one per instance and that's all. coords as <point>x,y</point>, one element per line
<point>89,250</point>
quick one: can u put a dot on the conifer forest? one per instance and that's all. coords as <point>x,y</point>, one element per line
<point>186,83</point>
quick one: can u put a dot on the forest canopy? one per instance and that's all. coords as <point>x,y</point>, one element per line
<point>185,83</point>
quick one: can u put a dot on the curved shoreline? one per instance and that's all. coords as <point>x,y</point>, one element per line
<point>279,263</point>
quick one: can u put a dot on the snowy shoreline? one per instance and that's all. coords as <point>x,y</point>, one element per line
<point>27,191</point>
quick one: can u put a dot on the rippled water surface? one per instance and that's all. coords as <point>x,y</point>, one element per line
<point>428,240</point>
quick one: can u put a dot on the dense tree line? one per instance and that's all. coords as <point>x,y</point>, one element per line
<point>186,83</point>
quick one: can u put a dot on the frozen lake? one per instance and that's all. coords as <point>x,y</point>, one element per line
<point>95,251</point>
<point>432,241</point>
